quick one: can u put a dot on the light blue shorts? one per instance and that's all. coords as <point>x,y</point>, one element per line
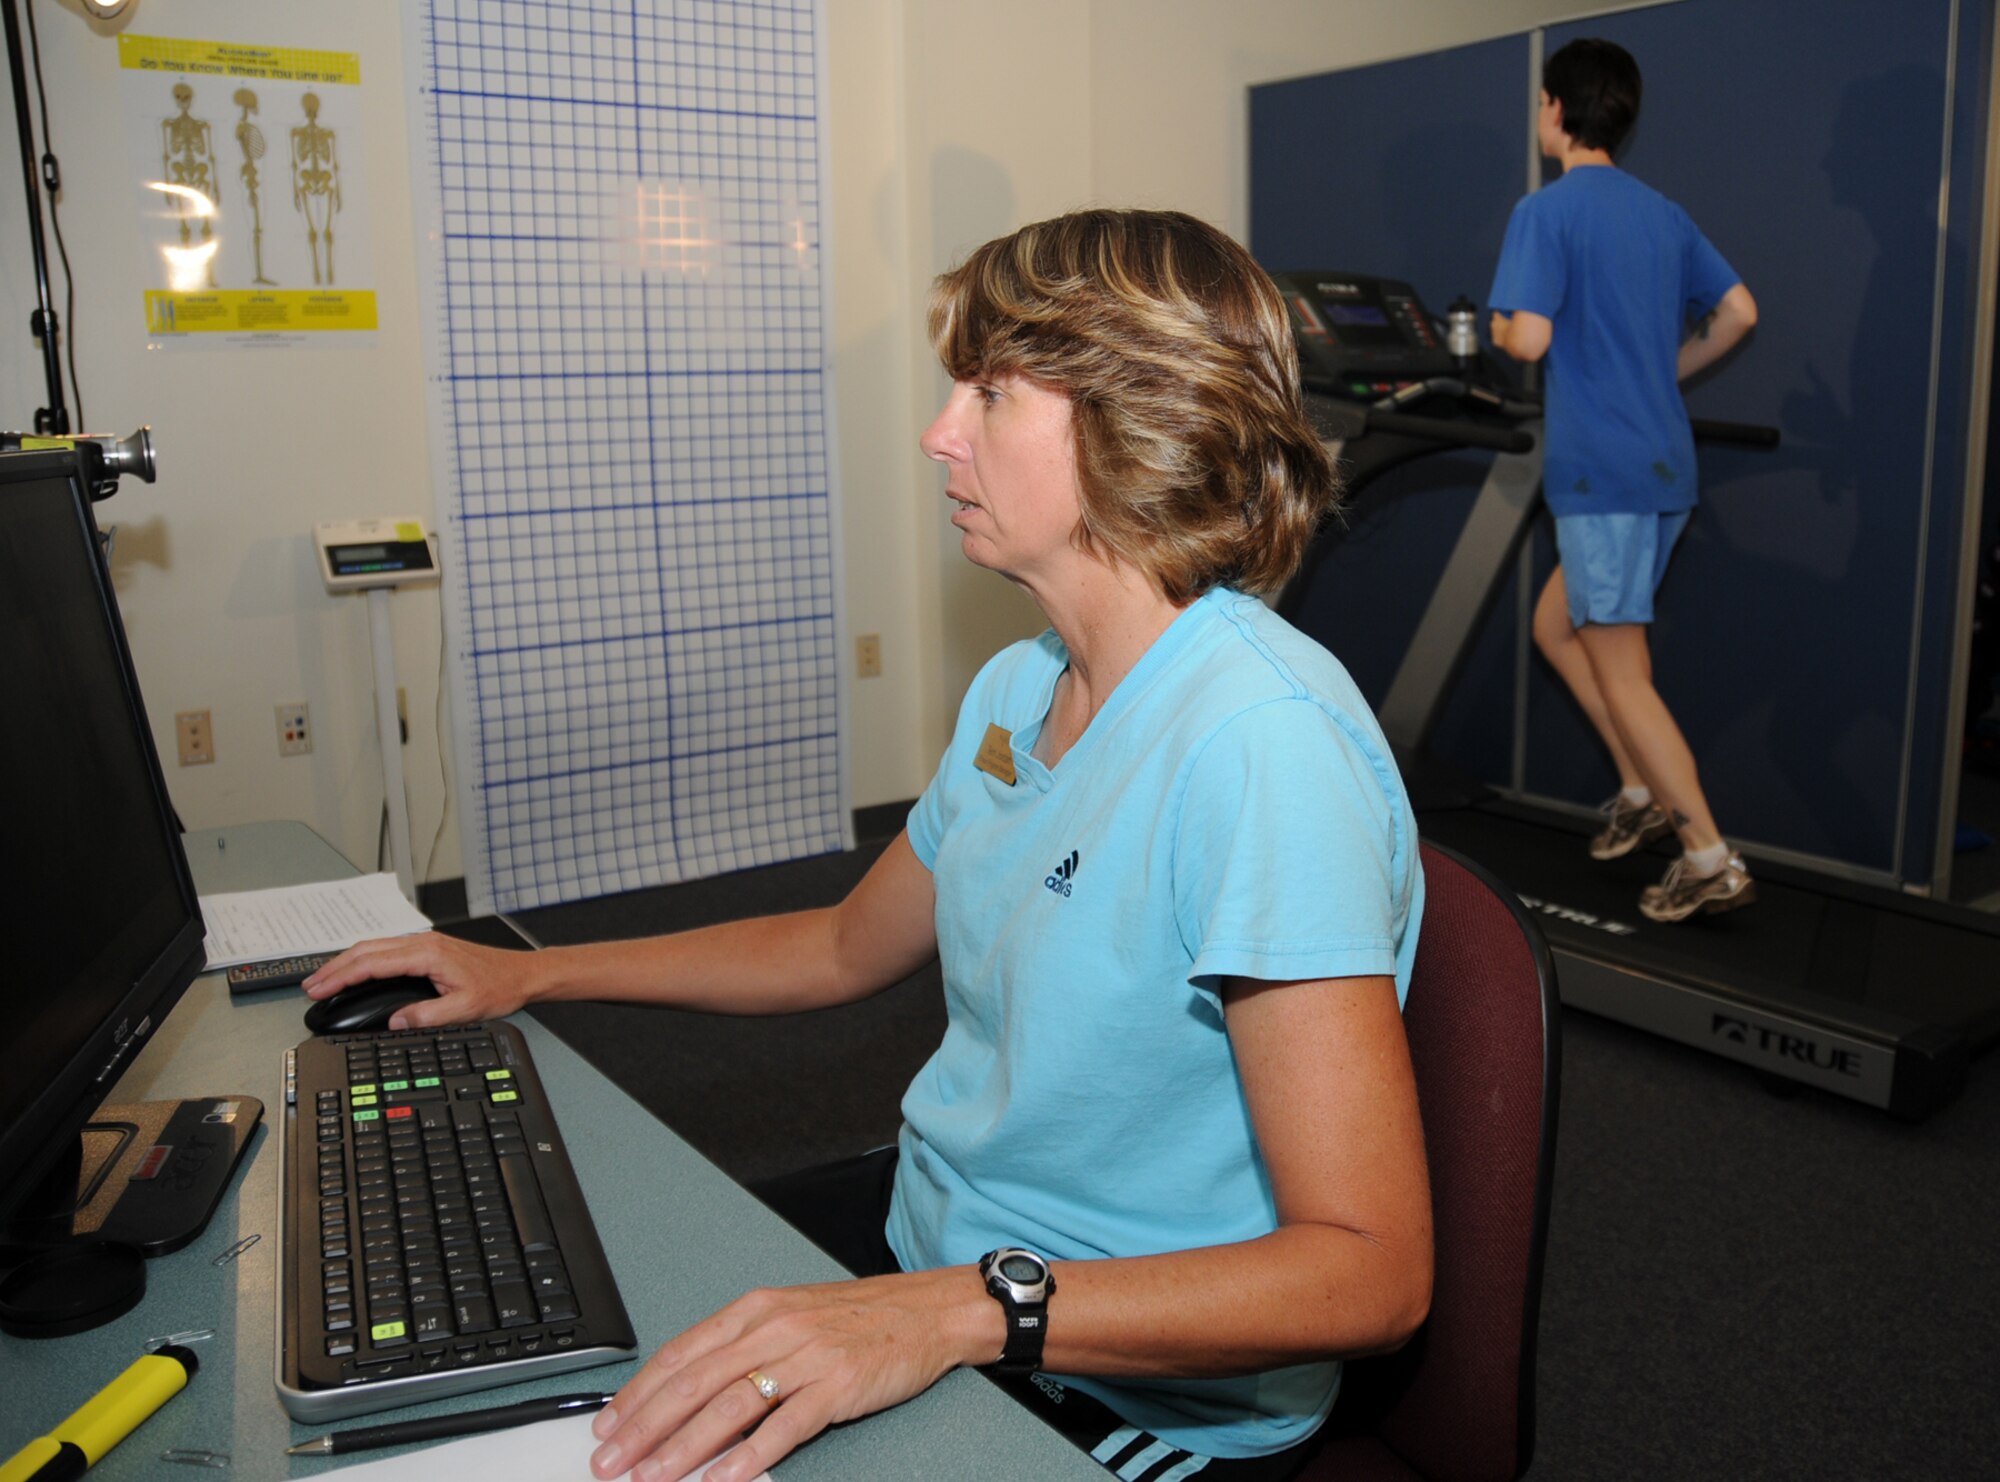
<point>1612,564</point>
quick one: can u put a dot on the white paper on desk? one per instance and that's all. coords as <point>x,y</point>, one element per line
<point>551,1451</point>
<point>293,920</point>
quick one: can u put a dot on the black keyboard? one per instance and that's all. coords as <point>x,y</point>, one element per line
<point>433,1237</point>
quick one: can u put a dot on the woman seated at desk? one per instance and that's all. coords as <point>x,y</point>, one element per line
<point>1171,875</point>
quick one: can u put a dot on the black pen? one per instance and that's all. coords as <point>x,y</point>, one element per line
<point>437,1427</point>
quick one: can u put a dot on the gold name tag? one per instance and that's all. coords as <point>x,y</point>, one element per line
<point>996,755</point>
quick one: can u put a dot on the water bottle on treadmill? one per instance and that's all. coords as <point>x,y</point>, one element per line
<point>1461,332</point>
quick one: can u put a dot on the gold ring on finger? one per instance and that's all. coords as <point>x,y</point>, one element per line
<point>765,1385</point>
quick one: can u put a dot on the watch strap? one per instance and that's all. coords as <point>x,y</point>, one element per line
<point>1027,1329</point>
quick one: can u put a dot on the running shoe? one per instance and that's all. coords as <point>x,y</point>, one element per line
<point>1683,893</point>
<point>1627,825</point>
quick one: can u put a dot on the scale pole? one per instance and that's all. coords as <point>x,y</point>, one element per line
<point>389,725</point>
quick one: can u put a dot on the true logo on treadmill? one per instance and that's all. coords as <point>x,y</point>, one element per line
<point>1061,878</point>
<point>1777,1044</point>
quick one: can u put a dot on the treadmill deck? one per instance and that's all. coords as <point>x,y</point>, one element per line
<point>1860,990</point>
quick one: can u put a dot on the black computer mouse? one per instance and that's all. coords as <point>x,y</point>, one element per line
<point>367,1006</point>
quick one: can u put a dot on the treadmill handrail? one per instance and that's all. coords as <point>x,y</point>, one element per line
<point>1706,429</point>
<point>1749,434</point>
<point>1458,433</point>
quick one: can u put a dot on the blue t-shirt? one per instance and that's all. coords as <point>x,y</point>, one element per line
<point>1232,811</point>
<point>1619,270</point>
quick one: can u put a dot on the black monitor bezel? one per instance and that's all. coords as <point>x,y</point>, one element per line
<point>47,1130</point>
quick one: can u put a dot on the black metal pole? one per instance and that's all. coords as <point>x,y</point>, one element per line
<point>53,418</point>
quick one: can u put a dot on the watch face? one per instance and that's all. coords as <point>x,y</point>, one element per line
<point>1016,1266</point>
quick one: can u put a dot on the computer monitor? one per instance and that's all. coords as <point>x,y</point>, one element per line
<point>104,927</point>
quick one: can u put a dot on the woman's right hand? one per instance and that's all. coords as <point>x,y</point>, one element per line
<point>473,982</point>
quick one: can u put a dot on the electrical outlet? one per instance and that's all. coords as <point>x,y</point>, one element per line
<point>868,656</point>
<point>294,729</point>
<point>197,740</point>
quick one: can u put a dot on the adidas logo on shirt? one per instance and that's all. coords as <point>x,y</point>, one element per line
<point>1060,879</point>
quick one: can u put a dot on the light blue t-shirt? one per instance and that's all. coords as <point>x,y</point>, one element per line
<point>1232,811</point>
<point>1619,270</point>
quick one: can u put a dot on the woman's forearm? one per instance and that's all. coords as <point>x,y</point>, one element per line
<point>766,965</point>
<point>881,933</point>
<point>1303,1294</point>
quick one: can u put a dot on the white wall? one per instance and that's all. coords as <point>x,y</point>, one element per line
<point>951,121</point>
<point>212,563</point>
<point>999,107</point>
<point>881,531</point>
<point>1171,114</point>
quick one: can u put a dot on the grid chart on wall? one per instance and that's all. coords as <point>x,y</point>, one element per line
<point>630,387</point>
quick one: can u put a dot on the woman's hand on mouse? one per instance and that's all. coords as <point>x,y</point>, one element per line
<point>473,982</point>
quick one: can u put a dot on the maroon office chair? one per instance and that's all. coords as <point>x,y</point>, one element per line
<point>1457,1403</point>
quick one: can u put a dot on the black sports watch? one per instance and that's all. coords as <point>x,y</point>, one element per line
<point>1021,1282</point>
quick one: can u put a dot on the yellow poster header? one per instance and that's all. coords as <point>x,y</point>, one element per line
<point>231,59</point>
<point>242,311</point>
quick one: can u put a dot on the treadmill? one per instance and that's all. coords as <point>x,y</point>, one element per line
<point>1864,991</point>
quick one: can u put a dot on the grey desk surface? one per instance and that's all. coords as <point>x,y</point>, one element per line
<point>682,1238</point>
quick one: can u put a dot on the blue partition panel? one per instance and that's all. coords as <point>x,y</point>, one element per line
<point>1347,172</point>
<point>1405,169</point>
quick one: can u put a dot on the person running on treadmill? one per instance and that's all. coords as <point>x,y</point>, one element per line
<point>1602,275</point>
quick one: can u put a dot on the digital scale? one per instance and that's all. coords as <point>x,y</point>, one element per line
<point>377,556</point>
<point>356,555</point>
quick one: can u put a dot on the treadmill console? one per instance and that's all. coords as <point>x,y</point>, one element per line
<point>1359,336</point>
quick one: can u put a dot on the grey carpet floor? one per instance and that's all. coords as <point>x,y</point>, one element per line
<point>757,1096</point>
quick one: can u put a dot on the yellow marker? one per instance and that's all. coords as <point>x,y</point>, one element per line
<point>117,1410</point>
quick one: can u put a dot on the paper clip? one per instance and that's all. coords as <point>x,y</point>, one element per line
<point>217,1459</point>
<point>237,1249</point>
<point>192,1335</point>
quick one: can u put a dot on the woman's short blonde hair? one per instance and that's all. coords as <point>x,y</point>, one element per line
<point>1194,458</point>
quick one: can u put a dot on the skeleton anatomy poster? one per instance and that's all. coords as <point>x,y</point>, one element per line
<point>253,190</point>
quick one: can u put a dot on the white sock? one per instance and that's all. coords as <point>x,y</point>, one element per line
<point>1705,862</point>
<point>1638,796</point>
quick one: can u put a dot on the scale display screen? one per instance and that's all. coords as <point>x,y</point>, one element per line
<point>356,554</point>
<point>407,555</point>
